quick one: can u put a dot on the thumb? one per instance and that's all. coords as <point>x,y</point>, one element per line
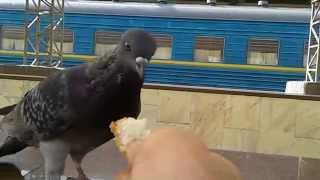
<point>131,152</point>
<point>123,175</point>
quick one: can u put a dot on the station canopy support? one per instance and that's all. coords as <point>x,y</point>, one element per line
<point>311,84</point>
<point>312,65</point>
<point>44,33</point>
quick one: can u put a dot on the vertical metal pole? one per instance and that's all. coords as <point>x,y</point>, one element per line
<point>62,37</point>
<point>26,30</point>
<point>38,34</point>
<point>51,35</point>
<point>312,67</point>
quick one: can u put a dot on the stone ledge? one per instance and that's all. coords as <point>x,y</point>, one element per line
<point>37,74</point>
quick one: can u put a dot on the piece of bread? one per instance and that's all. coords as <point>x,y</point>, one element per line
<point>127,130</point>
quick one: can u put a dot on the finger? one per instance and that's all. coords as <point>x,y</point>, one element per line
<point>133,150</point>
<point>123,175</point>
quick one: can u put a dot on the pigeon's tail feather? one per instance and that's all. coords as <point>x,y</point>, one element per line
<point>11,145</point>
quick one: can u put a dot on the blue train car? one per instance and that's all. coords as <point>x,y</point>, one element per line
<point>213,46</point>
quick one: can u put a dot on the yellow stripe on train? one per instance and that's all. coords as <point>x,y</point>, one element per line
<point>89,58</point>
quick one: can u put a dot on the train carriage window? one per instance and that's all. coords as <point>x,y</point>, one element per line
<point>263,52</point>
<point>68,39</point>
<point>164,48</point>
<point>209,49</point>
<point>12,38</point>
<point>106,41</point>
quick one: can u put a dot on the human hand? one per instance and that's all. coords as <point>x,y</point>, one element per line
<point>174,154</point>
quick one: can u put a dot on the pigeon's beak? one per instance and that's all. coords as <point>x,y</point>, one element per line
<point>141,63</point>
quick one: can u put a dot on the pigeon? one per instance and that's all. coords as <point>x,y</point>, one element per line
<point>69,112</point>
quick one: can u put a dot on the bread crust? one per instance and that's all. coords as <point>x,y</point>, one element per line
<point>127,130</point>
<point>116,132</point>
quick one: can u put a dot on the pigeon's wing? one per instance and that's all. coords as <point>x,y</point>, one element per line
<point>44,107</point>
<point>65,99</point>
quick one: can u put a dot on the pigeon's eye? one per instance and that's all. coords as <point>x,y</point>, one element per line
<point>127,45</point>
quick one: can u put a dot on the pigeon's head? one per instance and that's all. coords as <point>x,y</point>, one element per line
<point>138,43</point>
<point>139,46</point>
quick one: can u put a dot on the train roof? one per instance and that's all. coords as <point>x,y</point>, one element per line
<point>191,11</point>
